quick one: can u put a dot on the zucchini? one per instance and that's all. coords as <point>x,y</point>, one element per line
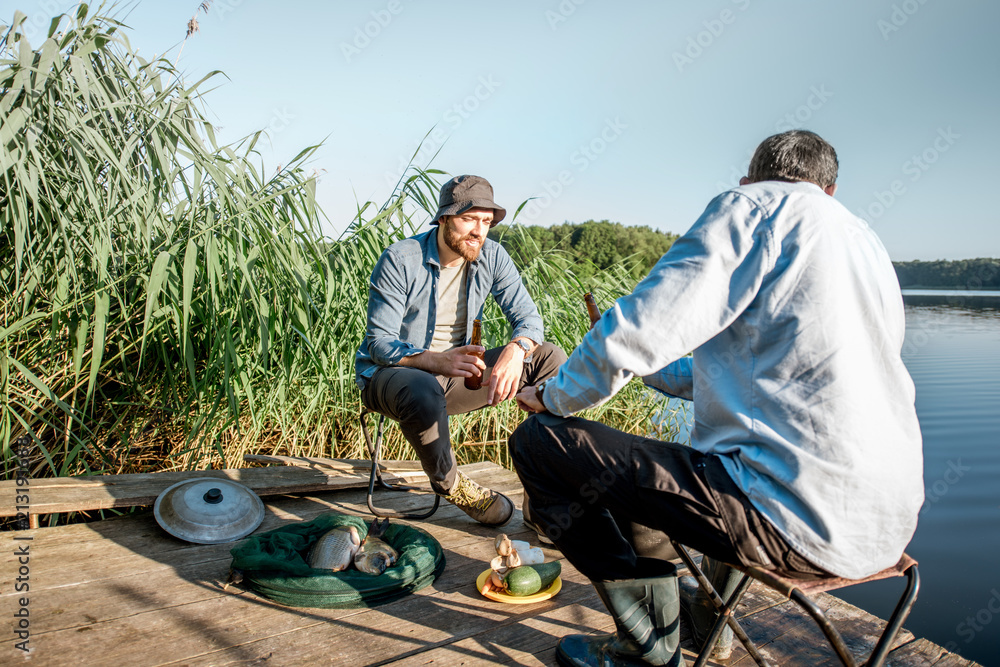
<point>530,579</point>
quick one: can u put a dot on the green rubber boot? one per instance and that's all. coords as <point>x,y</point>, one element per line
<point>645,614</point>
<point>699,610</point>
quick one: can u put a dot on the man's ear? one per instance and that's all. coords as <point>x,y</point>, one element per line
<point>830,189</point>
<point>744,180</point>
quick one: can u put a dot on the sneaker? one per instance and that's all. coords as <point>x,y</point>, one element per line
<point>542,537</point>
<point>485,506</point>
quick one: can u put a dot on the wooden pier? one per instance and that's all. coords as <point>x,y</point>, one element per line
<point>122,591</point>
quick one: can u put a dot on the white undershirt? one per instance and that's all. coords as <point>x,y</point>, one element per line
<point>452,304</point>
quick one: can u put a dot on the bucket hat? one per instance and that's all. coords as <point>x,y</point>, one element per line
<point>464,192</point>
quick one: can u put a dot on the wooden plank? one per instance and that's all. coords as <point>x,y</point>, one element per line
<point>77,494</point>
<point>336,464</point>
<point>785,634</point>
<point>190,627</point>
<point>512,645</point>
<point>135,590</point>
<point>106,549</point>
<point>123,591</point>
<point>408,627</point>
<point>922,653</point>
<point>121,531</point>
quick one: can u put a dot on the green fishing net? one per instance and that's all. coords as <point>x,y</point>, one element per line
<point>274,564</point>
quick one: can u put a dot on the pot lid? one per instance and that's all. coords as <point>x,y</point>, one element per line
<point>208,510</point>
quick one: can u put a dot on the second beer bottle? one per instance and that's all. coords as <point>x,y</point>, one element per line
<point>476,381</point>
<point>592,310</point>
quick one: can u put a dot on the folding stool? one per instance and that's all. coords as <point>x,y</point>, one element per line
<point>799,590</point>
<point>375,452</point>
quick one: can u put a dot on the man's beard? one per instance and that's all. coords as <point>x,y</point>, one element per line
<point>457,243</point>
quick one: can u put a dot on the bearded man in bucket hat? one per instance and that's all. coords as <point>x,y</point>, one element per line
<point>425,292</point>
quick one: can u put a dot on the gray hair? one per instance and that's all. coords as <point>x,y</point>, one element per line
<point>796,155</point>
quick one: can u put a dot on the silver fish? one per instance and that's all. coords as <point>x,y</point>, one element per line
<point>335,550</point>
<point>375,554</point>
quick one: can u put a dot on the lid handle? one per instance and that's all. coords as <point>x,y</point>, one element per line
<point>213,496</point>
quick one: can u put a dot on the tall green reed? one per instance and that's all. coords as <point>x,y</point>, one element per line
<point>167,304</point>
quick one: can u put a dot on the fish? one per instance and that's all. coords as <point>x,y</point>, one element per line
<point>335,550</point>
<point>375,554</point>
<point>235,579</point>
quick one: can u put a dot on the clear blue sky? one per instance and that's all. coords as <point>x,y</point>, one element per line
<point>645,110</point>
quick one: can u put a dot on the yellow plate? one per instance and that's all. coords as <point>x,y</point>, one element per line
<point>500,596</point>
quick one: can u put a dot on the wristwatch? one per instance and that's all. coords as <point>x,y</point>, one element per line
<point>523,344</point>
<point>540,392</point>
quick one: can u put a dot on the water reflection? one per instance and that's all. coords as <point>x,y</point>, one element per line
<point>953,355</point>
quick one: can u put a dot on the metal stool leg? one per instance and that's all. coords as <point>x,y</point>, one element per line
<point>832,636</point>
<point>899,614</point>
<point>726,618</point>
<point>837,642</point>
<point>725,608</point>
<point>375,452</point>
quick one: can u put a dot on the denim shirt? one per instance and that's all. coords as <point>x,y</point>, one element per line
<point>402,300</point>
<point>793,313</point>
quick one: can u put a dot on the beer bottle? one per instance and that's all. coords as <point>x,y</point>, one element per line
<point>476,381</point>
<point>592,310</point>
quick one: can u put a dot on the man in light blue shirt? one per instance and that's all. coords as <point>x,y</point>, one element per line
<point>806,451</point>
<point>412,364</point>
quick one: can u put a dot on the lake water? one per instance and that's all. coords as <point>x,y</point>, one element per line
<point>953,355</point>
<point>952,351</point>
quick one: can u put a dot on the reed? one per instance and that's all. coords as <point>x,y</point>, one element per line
<point>167,304</point>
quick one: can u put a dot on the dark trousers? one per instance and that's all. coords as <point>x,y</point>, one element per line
<point>421,402</point>
<point>580,474</point>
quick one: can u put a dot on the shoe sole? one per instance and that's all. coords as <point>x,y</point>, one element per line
<point>500,524</point>
<point>494,525</point>
<point>542,537</point>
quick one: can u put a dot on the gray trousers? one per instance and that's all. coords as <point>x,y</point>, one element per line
<point>421,402</point>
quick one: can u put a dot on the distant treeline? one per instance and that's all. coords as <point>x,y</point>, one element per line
<point>981,273</point>
<point>593,245</point>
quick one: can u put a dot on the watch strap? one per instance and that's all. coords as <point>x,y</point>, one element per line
<point>528,355</point>
<point>540,392</point>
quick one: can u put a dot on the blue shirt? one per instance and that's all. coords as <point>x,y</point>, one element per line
<point>795,319</point>
<point>402,300</point>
